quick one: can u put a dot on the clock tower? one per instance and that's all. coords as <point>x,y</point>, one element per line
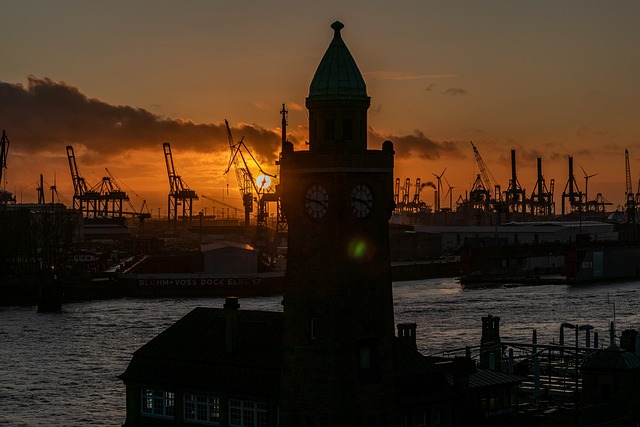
<point>338,365</point>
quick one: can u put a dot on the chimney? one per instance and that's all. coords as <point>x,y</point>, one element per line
<point>629,339</point>
<point>490,343</point>
<point>407,334</point>
<point>231,306</point>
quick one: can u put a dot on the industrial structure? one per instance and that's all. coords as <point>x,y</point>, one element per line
<point>5,196</point>
<point>253,188</point>
<point>332,356</point>
<point>180,195</point>
<point>487,204</point>
<point>104,200</point>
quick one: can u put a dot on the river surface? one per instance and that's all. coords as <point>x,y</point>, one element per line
<point>61,369</point>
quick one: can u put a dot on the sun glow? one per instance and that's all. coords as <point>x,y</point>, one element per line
<point>263,182</point>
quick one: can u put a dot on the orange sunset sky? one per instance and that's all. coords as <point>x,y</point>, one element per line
<point>116,79</point>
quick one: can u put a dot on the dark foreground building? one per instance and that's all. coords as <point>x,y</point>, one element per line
<point>332,357</point>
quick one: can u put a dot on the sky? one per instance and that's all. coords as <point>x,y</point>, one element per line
<point>117,79</point>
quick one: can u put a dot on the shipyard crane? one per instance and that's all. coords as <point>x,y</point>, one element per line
<point>85,199</point>
<point>416,202</point>
<point>243,175</point>
<point>396,194</point>
<point>515,196</point>
<point>480,195</point>
<point>248,184</point>
<point>488,180</point>
<point>141,214</point>
<point>406,190</point>
<point>4,151</point>
<point>571,191</point>
<point>542,198</point>
<point>179,192</point>
<point>631,199</point>
<point>5,196</point>
<point>79,184</point>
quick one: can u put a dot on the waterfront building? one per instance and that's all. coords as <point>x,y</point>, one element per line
<point>332,357</point>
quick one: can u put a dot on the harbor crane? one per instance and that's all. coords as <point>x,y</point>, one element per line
<point>630,205</point>
<point>103,200</point>
<point>571,191</point>
<point>542,204</point>
<point>490,183</point>
<point>248,184</point>
<point>179,192</point>
<point>142,214</point>
<point>85,199</point>
<point>515,196</point>
<point>5,196</point>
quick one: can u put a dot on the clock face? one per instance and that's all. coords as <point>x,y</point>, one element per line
<point>361,200</point>
<point>316,201</point>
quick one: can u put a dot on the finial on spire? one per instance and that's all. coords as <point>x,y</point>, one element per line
<point>337,26</point>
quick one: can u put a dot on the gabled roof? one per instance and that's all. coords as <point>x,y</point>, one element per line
<point>416,375</point>
<point>192,353</point>
<point>612,359</point>
<point>486,378</point>
<point>224,244</point>
<point>337,76</point>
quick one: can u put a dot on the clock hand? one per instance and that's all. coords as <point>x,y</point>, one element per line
<point>359,200</point>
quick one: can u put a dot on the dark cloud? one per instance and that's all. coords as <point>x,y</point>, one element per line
<point>418,145</point>
<point>454,91</point>
<point>48,116</point>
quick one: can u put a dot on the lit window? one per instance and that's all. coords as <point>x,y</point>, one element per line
<point>247,414</point>
<point>202,409</point>
<point>159,403</point>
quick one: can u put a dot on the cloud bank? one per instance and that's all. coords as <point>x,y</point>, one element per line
<point>47,116</point>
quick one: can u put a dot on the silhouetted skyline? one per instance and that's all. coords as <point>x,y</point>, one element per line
<point>119,79</point>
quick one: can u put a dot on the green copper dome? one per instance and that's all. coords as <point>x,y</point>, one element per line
<point>337,76</point>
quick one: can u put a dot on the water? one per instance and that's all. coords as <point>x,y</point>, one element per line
<point>61,369</point>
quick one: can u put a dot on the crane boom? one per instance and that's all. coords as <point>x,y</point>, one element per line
<point>629,188</point>
<point>179,191</point>
<point>487,178</point>
<point>4,150</point>
<point>227,205</point>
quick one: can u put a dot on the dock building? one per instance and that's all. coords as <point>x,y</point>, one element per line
<point>332,356</point>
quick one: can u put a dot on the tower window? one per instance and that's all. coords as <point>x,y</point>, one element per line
<point>365,358</point>
<point>347,129</point>
<point>368,361</point>
<point>329,129</point>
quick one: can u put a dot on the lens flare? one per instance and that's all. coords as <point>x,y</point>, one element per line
<point>360,249</point>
